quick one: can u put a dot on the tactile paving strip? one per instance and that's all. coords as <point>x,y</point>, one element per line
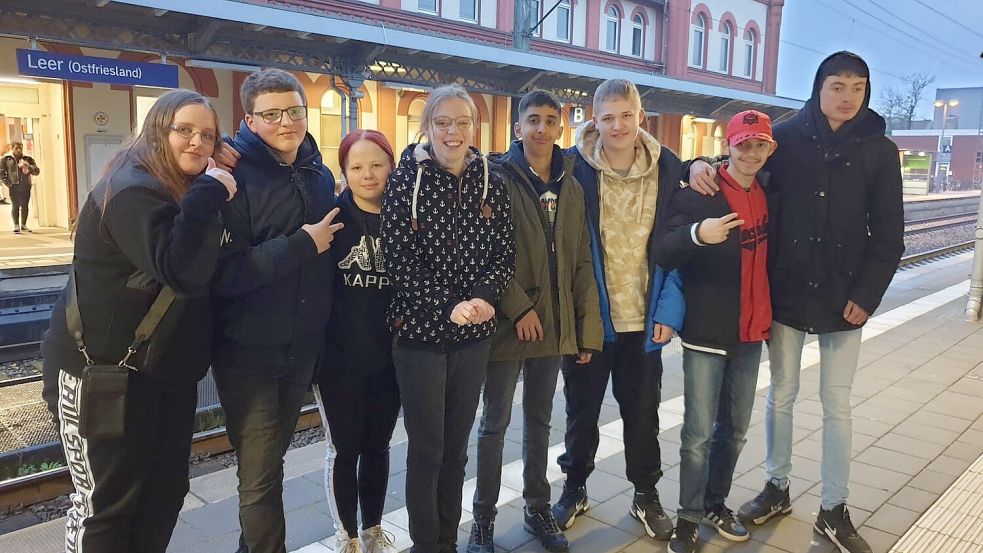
<point>954,524</point>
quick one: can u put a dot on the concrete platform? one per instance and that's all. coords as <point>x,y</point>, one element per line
<point>43,247</point>
<point>918,438</point>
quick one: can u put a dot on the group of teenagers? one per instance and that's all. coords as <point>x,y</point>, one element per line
<point>434,280</point>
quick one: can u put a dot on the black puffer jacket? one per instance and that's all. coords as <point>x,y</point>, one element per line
<point>837,219</point>
<point>272,289</point>
<point>445,240</point>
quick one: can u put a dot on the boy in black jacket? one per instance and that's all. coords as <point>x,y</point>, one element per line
<point>272,291</point>
<point>728,314</point>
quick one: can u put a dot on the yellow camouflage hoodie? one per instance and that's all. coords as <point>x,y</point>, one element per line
<point>627,217</point>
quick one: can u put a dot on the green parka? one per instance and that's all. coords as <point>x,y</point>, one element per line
<point>569,311</point>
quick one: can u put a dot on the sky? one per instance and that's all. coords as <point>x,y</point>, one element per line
<point>895,37</point>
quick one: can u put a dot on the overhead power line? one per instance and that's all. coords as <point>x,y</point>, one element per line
<point>951,19</point>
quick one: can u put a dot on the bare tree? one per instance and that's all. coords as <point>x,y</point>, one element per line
<point>898,105</point>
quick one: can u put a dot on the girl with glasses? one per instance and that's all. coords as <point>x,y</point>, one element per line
<point>449,250</point>
<point>152,221</point>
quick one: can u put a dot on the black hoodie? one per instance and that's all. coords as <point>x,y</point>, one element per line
<point>122,256</point>
<point>836,213</point>
<point>359,339</point>
<point>271,288</point>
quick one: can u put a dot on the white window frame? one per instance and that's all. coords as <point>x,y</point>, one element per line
<point>616,21</point>
<point>536,10</point>
<point>638,24</point>
<point>564,10</point>
<point>726,41</point>
<point>460,10</point>
<point>749,58</point>
<point>696,56</point>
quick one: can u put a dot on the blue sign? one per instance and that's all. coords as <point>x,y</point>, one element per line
<point>49,65</point>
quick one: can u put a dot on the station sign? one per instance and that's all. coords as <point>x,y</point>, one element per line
<point>51,65</point>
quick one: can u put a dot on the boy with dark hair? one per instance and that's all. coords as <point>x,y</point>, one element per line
<point>549,309</point>
<point>720,243</point>
<point>627,178</point>
<point>838,235</point>
<point>272,294</point>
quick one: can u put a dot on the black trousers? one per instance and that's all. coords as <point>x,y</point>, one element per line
<point>20,198</point>
<point>359,411</point>
<point>440,393</point>
<point>637,380</point>
<point>128,491</point>
<point>261,412</point>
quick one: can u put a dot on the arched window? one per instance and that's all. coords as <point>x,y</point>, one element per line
<point>612,26</point>
<point>330,139</point>
<point>699,37</point>
<point>726,41</point>
<point>563,20</point>
<point>637,35</point>
<point>749,53</point>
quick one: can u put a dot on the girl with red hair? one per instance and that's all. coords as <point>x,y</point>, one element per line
<point>356,387</point>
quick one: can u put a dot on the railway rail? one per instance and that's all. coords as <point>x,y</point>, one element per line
<point>49,484</point>
<point>930,224</point>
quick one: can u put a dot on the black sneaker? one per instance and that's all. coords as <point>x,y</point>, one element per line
<point>722,520</point>
<point>573,503</point>
<point>543,525</point>
<point>482,536</point>
<point>648,510</point>
<point>16,229</point>
<point>684,538</point>
<point>836,525</point>
<point>770,502</point>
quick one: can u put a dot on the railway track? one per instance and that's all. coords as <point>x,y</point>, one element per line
<point>49,484</point>
<point>930,224</point>
<point>931,255</point>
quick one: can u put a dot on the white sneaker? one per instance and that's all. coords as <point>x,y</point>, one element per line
<point>346,544</point>
<point>377,540</point>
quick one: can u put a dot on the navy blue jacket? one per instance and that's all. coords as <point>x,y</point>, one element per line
<point>272,290</point>
<point>665,294</point>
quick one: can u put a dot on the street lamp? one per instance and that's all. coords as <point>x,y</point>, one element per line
<point>945,105</point>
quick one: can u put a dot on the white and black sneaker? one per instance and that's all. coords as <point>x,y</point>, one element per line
<point>836,526</point>
<point>770,502</point>
<point>573,503</point>
<point>723,521</point>
<point>647,508</point>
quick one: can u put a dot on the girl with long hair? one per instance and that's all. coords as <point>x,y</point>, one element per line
<point>151,228</point>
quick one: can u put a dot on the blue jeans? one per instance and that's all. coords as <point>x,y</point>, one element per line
<point>838,354</point>
<point>719,397</point>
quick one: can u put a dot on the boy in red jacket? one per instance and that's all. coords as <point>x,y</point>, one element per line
<point>720,244</point>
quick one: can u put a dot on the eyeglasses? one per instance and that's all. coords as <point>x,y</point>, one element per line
<point>274,116</point>
<point>444,123</point>
<point>188,133</point>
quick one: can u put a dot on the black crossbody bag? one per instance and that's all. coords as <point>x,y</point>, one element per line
<point>102,405</point>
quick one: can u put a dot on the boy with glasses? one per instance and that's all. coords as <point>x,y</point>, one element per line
<point>272,290</point>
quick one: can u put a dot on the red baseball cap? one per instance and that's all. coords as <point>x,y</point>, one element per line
<point>747,125</point>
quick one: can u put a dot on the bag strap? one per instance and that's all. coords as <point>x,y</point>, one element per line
<point>144,330</point>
